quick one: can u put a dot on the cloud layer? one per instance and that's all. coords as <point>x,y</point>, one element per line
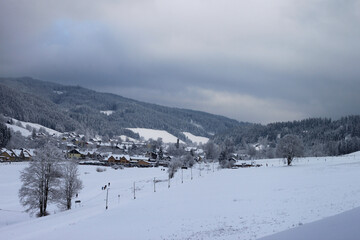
<point>258,61</point>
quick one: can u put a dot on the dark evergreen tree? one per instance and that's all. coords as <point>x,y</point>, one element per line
<point>5,135</point>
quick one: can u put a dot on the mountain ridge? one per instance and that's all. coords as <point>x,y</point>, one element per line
<point>81,108</point>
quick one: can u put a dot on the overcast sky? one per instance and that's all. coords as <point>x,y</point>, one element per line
<point>253,60</point>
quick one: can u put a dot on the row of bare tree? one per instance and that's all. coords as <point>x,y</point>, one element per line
<point>49,178</point>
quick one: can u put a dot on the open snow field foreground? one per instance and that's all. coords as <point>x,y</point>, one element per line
<point>245,203</point>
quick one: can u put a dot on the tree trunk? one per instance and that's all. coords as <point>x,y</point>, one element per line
<point>68,203</point>
<point>289,159</point>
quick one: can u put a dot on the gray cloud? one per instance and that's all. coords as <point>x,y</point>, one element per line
<point>258,61</point>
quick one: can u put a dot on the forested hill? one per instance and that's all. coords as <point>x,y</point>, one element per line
<point>321,136</point>
<point>69,108</point>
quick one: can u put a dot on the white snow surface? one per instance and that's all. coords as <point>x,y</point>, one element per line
<point>245,203</point>
<point>107,112</point>
<point>124,138</point>
<point>344,226</point>
<point>148,133</point>
<point>196,139</point>
<point>26,132</point>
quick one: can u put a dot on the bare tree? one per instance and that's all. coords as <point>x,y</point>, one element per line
<point>71,184</point>
<point>174,165</point>
<point>16,141</point>
<point>251,151</point>
<point>40,180</point>
<point>211,150</point>
<point>290,146</point>
<point>188,160</point>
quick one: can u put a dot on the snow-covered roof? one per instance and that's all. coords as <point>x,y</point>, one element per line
<point>119,156</point>
<point>139,158</point>
<point>17,151</point>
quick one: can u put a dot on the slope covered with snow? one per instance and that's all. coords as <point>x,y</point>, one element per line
<point>36,126</point>
<point>23,131</point>
<point>196,139</point>
<point>147,133</point>
<point>246,203</point>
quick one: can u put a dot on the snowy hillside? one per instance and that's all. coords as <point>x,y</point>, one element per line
<point>196,139</point>
<point>147,133</point>
<point>246,203</point>
<point>25,132</point>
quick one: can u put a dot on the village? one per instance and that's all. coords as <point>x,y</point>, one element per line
<point>121,151</point>
<point>118,152</point>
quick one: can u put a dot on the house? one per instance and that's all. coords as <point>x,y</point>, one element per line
<point>125,160</point>
<point>93,155</point>
<point>73,154</point>
<point>7,155</point>
<point>15,155</point>
<point>119,159</point>
<point>151,155</point>
<point>143,163</point>
<point>232,161</point>
<point>138,158</point>
<point>25,155</point>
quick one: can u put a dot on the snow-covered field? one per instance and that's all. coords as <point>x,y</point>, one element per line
<point>246,203</point>
<point>196,139</point>
<point>107,112</point>
<point>148,133</point>
<point>36,126</point>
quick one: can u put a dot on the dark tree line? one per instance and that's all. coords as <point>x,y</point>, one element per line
<point>4,135</point>
<point>320,136</point>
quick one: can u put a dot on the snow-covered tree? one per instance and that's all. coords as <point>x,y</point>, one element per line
<point>71,184</point>
<point>211,150</point>
<point>174,165</point>
<point>16,141</point>
<point>188,160</point>
<point>290,146</point>
<point>40,180</point>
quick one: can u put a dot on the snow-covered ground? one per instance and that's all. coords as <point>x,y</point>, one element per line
<point>344,226</point>
<point>107,112</point>
<point>196,139</point>
<point>36,126</point>
<point>246,203</point>
<point>124,138</point>
<point>148,133</point>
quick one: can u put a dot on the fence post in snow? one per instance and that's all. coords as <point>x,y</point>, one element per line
<point>169,182</point>
<point>200,169</point>
<point>154,185</point>
<point>191,173</point>
<point>107,197</point>
<point>182,175</point>
<point>134,191</point>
